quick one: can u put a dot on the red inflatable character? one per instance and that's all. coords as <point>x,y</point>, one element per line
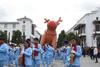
<point>49,35</point>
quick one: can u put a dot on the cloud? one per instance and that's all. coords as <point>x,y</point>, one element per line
<point>70,11</point>
<point>3,13</point>
<point>90,5</point>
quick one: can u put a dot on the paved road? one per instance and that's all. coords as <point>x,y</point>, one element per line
<point>85,62</point>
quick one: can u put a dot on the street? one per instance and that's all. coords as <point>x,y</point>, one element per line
<point>85,62</point>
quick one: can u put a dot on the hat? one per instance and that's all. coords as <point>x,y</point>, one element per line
<point>65,42</point>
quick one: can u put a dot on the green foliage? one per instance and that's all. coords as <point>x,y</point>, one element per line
<point>17,37</point>
<point>4,35</point>
<point>73,36</point>
<point>63,37</point>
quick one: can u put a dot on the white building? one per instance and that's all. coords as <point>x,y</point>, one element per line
<point>88,29</point>
<point>25,25</point>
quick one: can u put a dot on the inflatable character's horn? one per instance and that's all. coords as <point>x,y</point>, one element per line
<point>59,20</point>
<point>46,20</point>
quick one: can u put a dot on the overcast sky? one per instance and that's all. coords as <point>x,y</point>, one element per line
<point>70,11</point>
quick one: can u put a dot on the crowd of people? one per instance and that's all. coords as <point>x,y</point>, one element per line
<point>33,54</point>
<point>93,52</point>
<point>28,54</point>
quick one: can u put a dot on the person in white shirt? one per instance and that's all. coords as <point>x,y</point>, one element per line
<point>95,54</point>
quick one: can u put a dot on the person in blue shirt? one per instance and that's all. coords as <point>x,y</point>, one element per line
<point>49,55</point>
<point>28,54</point>
<point>3,52</point>
<point>73,55</point>
<point>37,51</point>
<point>16,53</point>
<point>57,54</point>
<point>11,54</point>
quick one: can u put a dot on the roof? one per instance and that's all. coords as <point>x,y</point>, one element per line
<point>25,18</point>
<point>34,25</point>
<point>78,22</point>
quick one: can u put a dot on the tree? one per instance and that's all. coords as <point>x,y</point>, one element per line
<point>17,37</point>
<point>61,38</point>
<point>71,36</point>
<point>4,35</point>
<point>66,37</point>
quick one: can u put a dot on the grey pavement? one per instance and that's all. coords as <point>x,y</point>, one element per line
<point>85,62</point>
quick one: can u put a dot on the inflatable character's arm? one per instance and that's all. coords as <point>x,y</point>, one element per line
<point>59,20</point>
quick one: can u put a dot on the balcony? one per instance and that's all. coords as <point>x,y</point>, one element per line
<point>79,26</point>
<point>96,32</point>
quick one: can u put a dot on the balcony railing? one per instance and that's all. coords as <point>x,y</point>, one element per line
<point>82,35</point>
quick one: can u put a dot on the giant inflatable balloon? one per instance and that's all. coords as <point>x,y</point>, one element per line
<point>49,35</point>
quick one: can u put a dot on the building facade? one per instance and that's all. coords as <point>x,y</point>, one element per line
<point>25,25</point>
<point>88,29</point>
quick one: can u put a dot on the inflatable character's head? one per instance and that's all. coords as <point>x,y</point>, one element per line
<point>52,25</point>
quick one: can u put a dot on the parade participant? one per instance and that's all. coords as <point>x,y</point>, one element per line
<point>64,51</point>
<point>11,54</point>
<point>21,58</point>
<point>17,53</point>
<point>95,54</point>
<point>49,56</point>
<point>3,52</point>
<point>57,54</point>
<point>73,54</point>
<point>28,54</point>
<point>37,51</point>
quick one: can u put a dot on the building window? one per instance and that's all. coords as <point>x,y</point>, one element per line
<point>14,25</point>
<point>5,25</point>
<point>97,27</point>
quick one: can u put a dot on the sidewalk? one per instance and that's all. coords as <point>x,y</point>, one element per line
<point>87,62</point>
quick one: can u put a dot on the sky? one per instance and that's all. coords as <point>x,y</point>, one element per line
<point>69,10</point>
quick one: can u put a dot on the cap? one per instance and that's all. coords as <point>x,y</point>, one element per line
<point>65,42</point>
